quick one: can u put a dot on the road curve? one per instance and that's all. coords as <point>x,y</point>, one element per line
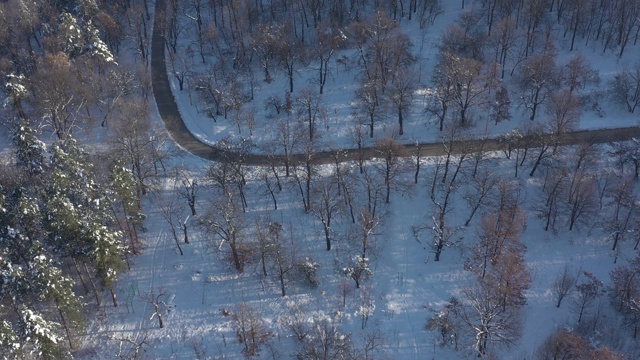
<point>170,115</point>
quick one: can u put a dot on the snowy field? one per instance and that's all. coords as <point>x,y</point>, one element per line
<point>338,98</point>
<point>406,286</point>
<point>199,291</point>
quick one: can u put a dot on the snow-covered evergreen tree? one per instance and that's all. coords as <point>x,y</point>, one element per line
<point>79,214</point>
<point>126,203</point>
<point>10,343</point>
<point>16,92</point>
<point>79,36</point>
<point>29,149</point>
<point>45,343</point>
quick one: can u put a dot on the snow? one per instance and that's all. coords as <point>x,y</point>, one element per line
<point>341,84</point>
<point>407,286</point>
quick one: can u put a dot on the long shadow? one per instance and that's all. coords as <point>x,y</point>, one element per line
<point>172,119</point>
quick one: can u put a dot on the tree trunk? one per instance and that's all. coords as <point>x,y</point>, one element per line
<point>543,150</point>
<point>84,285</point>
<point>184,231</point>
<point>66,327</point>
<point>282,272</point>
<point>93,284</point>
<point>327,234</point>
<point>236,257</point>
<point>371,121</point>
<point>175,238</point>
<point>114,298</point>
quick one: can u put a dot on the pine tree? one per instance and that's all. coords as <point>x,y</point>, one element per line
<point>42,333</point>
<point>79,215</point>
<point>9,341</point>
<point>126,203</point>
<point>29,149</point>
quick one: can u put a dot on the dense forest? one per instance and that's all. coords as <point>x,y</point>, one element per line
<point>83,155</point>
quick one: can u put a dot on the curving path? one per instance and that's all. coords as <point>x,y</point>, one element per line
<point>169,113</point>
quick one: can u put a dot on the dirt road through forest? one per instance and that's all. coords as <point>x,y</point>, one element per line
<point>176,127</point>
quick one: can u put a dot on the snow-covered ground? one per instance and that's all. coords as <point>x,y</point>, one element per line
<point>341,85</point>
<point>407,285</point>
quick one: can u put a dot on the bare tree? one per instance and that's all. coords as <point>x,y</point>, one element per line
<point>499,233</point>
<point>230,175</point>
<point>604,180</point>
<point>440,97</point>
<point>195,13</point>
<point>586,293</point>
<point>291,52</point>
<point>577,74</point>
<point>466,37</point>
<point>289,137</point>
<point>623,205</point>
<point>488,320</point>
<point>159,306</point>
<point>627,152</point>
<point>504,40</point>
<point>564,110</point>
<point>448,323</point>
<point>450,139</point>
<point>274,251</point>
<point>544,144</point>
<point>369,101</point>
<point>181,67</point>
<point>481,187</point>
<point>251,331</point>
<point>141,147</point>
<point>59,98</point>
<point>284,255</point>
<point>625,87</point>
<point>391,151</point>
<point>625,294</point>
<point>512,141</point>
<point>265,43</point>
<point>172,213</point>
<point>371,344</point>
<point>400,93</point>
<point>188,188</point>
<point>172,26</point>
<point>269,187</point>
<point>329,40</point>
<point>581,201</point>
<point>326,204</point>
<point>553,187</point>
<point>372,184</point>
<point>462,79</point>
<point>537,79</point>
<point>225,222</point>
<point>305,170</point>
<point>444,235</point>
<point>564,284</point>
<point>358,270</point>
<point>563,345</point>
<point>136,348</point>
<point>366,229</point>
<point>568,345</point>
<point>625,281</point>
<point>309,108</point>
<point>367,306</point>
<point>500,107</point>
<point>323,340</point>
